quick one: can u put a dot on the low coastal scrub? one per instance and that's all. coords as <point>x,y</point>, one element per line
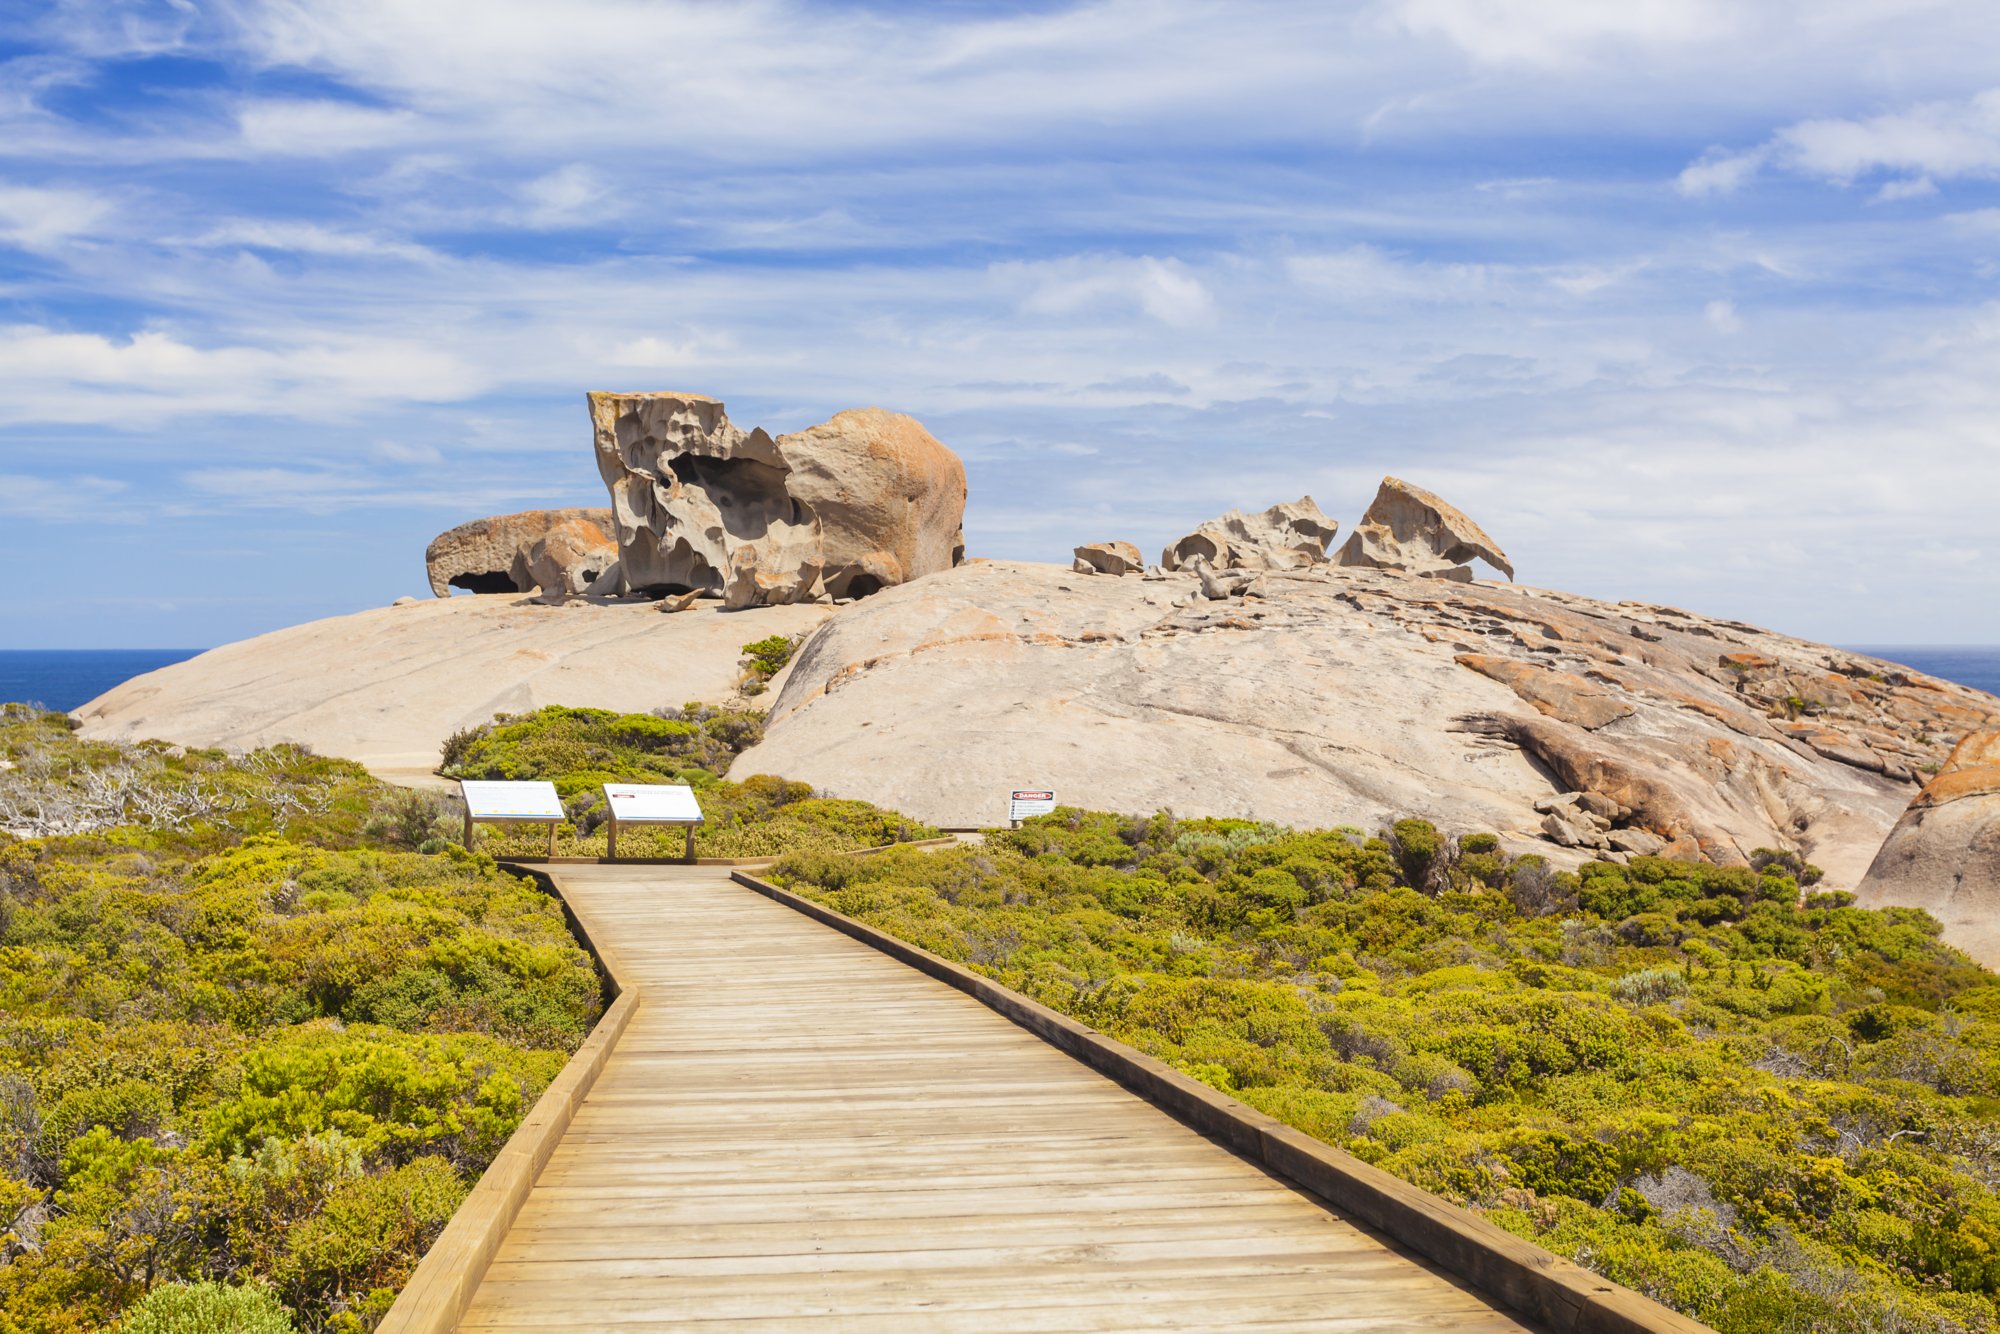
<point>1750,1100</point>
<point>580,750</point>
<point>254,1048</point>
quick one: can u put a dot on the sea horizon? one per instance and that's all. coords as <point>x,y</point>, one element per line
<point>65,679</point>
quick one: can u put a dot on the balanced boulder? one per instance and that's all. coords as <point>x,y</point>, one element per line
<point>1284,537</point>
<point>556,551</point>
<point>853,505</point>
<point>1944,854</point>
<point>1409,529</point>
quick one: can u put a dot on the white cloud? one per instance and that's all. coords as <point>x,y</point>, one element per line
<point>1164,289</point>
<point>1928,142</point>
<point>321,128</point>
<point>1722,317</point>
<point>1719,172</point>
<point>1367,274</point>
<point>651,352</point>
<point>577,193</point>
<point>40,219</point>
<point>1555,33</point>
<point>50,500</point>
<point>307,238</point>
<point>1943,140</point>
<point>52,376</point>
<point>1914,187</point>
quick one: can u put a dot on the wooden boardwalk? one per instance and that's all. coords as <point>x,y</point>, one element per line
<point>798,1132</point>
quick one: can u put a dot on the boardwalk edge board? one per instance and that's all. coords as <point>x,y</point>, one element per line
<point>435,1298</point>
<point>1561,1295</point>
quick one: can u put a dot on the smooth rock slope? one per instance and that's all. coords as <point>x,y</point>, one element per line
<point>1343,695</point>
<point>1944,854</point>
<point>386,687</point>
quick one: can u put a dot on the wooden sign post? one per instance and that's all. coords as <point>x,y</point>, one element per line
<point>491,802</point>
<point>650,803</point>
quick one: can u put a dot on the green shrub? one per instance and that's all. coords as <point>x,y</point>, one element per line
<point>193,1082</point>
<point>208,1308</point>
<point>764,660</point>
<point>1769,1114</point>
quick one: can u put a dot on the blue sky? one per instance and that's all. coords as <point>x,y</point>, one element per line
<point>1691,301</point>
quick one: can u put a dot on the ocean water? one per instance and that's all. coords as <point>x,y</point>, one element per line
<point>68,678</point>
<point>1977,666</point>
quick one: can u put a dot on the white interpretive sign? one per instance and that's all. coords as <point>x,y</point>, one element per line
<point>652,803</point>
<point>532,802</point>
<point>1021,805</point>
<point>489,801</point>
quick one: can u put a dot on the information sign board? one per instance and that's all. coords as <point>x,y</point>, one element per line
<point>652,803</point>
<point>1021,805</point>
<point>489,800</point>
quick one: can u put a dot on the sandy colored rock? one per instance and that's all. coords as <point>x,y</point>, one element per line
<point>387,686</point>
<point>1338,696</point>
<point>1314,696</point>
<point>1558,694</point>
<point>1944,854</point>
<point>1110,558</point>
<point>890,498</point>
<point>555,550</point>
<point>1407,528</point>
<point>862,502</point>
<point>1284,537</point>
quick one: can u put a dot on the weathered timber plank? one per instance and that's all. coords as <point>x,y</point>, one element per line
<point>797,1132</point>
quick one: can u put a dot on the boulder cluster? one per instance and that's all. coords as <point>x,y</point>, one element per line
<point>1406,529</point>
<point>702,508</point>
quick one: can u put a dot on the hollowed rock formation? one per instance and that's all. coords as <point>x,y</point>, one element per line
<point>848,507</point>
<point>1284,537</point>
<point>1407,528</point>
<point>558,551</point>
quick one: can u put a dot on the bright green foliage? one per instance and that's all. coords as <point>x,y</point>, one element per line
<point>764,660</point>
<point>241,1054</point>
<point>1773,1114</point>
<point>208,1308</point>
<point>580,750</point>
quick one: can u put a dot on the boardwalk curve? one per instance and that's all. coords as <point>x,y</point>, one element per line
<point>797,1132</point>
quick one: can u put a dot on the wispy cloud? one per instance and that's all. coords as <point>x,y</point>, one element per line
<point>1925,143</point>
<point>40,219</point>
<point>1625,280</point>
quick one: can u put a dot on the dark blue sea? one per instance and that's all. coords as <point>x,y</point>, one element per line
<point>68,678</point>
<point>1977,666</point>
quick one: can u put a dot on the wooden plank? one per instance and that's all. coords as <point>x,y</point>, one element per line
<point>796,1131</point>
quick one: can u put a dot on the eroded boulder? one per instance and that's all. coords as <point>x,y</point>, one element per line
<point>1109,558</point>
<point>557,551</point>
<point>848,507</point>
<point>1409,529</point>
<point>1944,854</point>
<point>1287,536</point>
<point>890,499</point>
